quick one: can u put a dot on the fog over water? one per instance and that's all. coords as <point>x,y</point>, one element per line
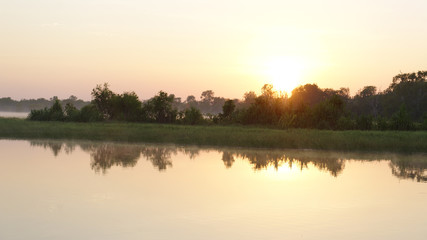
<point>14,114</point>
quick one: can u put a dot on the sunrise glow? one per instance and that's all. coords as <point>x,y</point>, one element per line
<point>284,73</point>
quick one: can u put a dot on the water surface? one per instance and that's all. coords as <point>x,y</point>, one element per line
<point>87,190</point>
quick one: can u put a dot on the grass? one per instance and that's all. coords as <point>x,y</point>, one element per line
<point>231,136</point>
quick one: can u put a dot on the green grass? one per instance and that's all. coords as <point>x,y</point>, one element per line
<point>232,136</point>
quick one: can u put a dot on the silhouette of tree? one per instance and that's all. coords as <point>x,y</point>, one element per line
<point>159,108</point>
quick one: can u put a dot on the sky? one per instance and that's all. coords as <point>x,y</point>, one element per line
<point>62,48</point>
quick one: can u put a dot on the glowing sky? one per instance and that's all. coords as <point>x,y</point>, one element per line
<point>57,47</point>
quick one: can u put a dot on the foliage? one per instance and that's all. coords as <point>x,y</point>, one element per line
<point>288,120</point>
<point>102,98</point>
<point>72,113</point>
<point>192,116</point>
<point>90,113</point>
<point>327,113</point>
<point>382,124</point>
<point>54,113</point>
<point>401,120</point>
<point>26,105</point>
<point>345,123</point>
<point>159,109</point>
<point>227,111</point>
<point>126,107</point>
<point>364,122</point>
<point>308,107</point>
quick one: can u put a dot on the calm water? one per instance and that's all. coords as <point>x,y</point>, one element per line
<point>85,190</point>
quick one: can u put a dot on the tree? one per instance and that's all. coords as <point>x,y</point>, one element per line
<point>420,76</point>
<point>366,102</point>
<point>367,91</point>
<point>159,108</point>
<point>71,113</point>
<point>126,107</point>
<point>267,91</point>
<point>90,113</point>
<point>192,116</point>
<point>207,96</point>
<point>327,113</point>
<point>249,98</point>
<point>54,113</point>
<point>227,110</point>
<point>401,120</point>
<point>102,98</point>
<point>308,95</point>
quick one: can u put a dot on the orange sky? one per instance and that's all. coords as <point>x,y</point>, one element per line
<point>58,47</point>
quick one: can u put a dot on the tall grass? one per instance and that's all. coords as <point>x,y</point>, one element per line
<point>233,136</point>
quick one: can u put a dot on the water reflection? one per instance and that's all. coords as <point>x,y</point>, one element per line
<point>415,169</point>
<point>106,155</point>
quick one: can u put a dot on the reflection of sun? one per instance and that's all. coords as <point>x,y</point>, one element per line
<point>283,172</point>
<point>284,73</point>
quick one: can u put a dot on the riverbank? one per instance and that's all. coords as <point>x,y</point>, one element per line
<point>232,136</point>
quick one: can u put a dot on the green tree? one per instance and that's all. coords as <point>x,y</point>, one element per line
<point>192,116</point>
<point>102,98</point>
<point>159,108</point>
<point>401,120</point>
<point>227,110</point>
<point>90,113</point>
<point>55,112</point>
<point>71,113</point>
<point>126,107</point>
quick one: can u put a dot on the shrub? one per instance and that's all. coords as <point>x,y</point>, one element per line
<point>90,113</point>
<point>401,120</point>
<point>192,116</point>
<point>364,122</point>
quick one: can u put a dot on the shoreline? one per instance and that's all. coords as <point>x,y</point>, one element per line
<point>226,136</point>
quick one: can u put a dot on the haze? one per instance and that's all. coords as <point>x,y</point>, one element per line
<point>57,47</point>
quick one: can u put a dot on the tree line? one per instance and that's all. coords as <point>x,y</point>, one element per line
<point>8,104</point>
<point>402,106</point>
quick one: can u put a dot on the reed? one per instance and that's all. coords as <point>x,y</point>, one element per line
<point>232,136</point>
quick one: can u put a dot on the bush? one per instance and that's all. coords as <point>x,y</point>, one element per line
<point>159,109</point>
<point>345,123</point>
<point>401,120</point>
<point>72,113</point>
<point>39,115</point>
<point>382,124</point>
<point>54,113</point>
<point>192,116</point>
<point>287,121</point>
<point>90,113</point>
<point>364,122</point>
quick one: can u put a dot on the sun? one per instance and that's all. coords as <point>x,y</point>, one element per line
<point>284,73</point>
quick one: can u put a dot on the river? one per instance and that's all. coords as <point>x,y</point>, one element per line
<point>101,190</point>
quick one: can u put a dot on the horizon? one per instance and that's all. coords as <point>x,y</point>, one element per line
<point>197,96</point>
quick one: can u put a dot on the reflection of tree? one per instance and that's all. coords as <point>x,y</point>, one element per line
<point>228,159</point>
<point>414,168</point>
<point>261,159</point>
<point>55,146</point>
<point>160,157</point>
<point>106,155</point>
<point>332,165</point>
<point>192,152</point>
